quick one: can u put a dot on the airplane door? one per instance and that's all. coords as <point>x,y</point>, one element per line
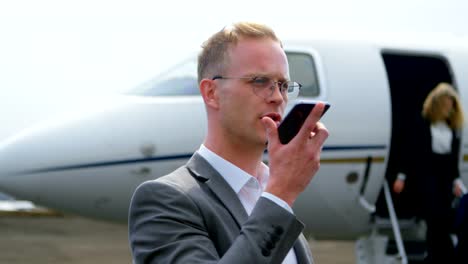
<point>411,77</point>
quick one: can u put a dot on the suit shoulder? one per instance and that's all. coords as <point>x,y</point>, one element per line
<point>180,179</point>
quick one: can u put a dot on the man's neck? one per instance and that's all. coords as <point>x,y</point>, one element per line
<point>246,158</point>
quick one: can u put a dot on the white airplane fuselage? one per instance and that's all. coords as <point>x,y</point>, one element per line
<point>90,164</point>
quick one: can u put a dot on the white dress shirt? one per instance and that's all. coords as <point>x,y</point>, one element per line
<point>441,135</point>
<point>248,188</point>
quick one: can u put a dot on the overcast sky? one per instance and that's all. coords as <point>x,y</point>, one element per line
<point>53,50</point>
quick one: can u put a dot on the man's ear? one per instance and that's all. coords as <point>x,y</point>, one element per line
<point>209,91</point>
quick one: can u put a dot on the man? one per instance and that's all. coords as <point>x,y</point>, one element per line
<point>225,205</point>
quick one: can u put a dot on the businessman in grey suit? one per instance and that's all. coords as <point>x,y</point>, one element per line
<point>225,205</point>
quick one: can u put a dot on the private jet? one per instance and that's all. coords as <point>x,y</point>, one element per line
<point>90,162</point>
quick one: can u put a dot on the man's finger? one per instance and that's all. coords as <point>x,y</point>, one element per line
<point>311,121</point>
<point>320,135</point>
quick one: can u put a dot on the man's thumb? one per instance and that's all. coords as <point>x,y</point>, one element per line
<point>270,127</point>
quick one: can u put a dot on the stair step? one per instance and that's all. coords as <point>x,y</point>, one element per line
<point>405,223</point>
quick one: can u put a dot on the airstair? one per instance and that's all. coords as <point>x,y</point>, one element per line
<point>392,240</point>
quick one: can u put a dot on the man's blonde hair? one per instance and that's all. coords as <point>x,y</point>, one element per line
<point>214,58</point>
<point>432,106</point>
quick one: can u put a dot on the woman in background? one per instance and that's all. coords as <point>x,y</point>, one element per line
<point>436,178</point>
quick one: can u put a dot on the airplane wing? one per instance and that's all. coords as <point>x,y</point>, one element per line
<point>24,208</point>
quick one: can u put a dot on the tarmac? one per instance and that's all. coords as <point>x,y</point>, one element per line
<point>56,238</point>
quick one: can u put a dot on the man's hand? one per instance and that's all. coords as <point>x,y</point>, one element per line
<point>292,166</point>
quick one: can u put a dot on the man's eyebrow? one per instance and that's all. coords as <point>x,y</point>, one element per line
<point>266,75</point>
<point>256,74</point>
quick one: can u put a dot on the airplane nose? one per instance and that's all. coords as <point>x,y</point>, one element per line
<point>20,156</point>
<point>7,185</point>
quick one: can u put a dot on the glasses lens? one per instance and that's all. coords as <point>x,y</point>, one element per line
<point>293,90</point>
<point>262,86</point>
<point>265,87</point>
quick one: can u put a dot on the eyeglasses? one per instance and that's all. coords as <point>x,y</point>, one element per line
<point>265,86</point>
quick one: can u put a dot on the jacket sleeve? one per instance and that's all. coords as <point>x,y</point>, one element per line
<point>418,150</point>
<point>455,155</point>
<point>166,226</point>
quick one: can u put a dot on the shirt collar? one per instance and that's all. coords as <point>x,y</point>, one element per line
<point>234,176</point>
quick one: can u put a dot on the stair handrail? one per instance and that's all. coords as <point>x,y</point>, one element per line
<point>395,225</point>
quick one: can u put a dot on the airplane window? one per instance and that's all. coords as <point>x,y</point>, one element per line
<point>302,69</point>
<point>179,81</point>
<point>182,79</point>
<point>183,85</point>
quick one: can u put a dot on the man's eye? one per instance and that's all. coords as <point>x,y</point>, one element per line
<point>260,80</point>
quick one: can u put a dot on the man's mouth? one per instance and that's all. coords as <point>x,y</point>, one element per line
<point>274,116</point>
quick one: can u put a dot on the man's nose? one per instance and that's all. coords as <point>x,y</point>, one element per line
<point>276,95</point>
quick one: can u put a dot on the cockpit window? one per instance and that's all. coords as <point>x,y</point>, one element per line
<point>179,81</point>
<point>302,70</point>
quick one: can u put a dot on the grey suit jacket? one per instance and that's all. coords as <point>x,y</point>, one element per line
<point>193,216</point>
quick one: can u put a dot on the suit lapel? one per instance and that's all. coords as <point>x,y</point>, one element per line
<point>202,169</point>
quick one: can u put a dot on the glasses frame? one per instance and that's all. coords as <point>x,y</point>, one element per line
<point>283,86</point>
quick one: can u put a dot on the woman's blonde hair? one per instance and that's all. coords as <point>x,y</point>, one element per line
<point>213,58</point>
<point>432,106</point>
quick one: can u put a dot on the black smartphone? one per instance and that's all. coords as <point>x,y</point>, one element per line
<point>291,125</point>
